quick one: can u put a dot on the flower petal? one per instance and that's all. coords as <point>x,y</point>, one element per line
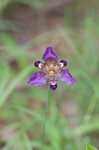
<point>66,77</point>
<point>38,64</point>
<point>38,78</point>
<point>62,63</point>
<point>49,54</point>
<point>53,84</point>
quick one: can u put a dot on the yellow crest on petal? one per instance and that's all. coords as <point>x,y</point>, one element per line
<point>61,64</point>
<point>52,83</point>
<point>40,65</point>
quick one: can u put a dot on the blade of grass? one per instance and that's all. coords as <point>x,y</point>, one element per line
<point>91,126</point>
<point>3,84</point>
<point>13,48</point>
<point>27,143</point>
<point>34,114</point>
<point>17,80</point>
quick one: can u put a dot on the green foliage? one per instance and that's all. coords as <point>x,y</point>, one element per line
<point>21,105</point>
<point>89,147</point>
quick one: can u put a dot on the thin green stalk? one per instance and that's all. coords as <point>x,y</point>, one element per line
<point>45,117</point>
<point>91,108</point>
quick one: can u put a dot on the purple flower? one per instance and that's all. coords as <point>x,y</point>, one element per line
<point>51,71</point>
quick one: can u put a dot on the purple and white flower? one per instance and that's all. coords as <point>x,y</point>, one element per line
<point>51,71</point>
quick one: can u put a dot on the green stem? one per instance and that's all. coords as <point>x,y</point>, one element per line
<point>45,118</point>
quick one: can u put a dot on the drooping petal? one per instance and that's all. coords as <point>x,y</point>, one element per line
<point>49,54</point>
<point>62,63</point>
<point>38,78</point>
<point>66,77</point>
<point>53,84</point>
<point>38,64</point>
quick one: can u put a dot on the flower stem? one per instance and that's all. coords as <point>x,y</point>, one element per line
<point>45,118</point>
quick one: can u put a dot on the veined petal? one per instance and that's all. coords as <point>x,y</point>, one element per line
<point>66,77</point>
<point>49,54</point>
<point>38,78</point>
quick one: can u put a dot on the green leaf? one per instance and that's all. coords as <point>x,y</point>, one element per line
<point>89,147</point>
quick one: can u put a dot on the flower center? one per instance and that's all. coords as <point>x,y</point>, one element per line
<point>51,68</point>
<point>51,72</point>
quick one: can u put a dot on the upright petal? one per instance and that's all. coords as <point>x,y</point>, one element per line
<point>37,79</point>
<point>66,77</point>
<point>49,54</point>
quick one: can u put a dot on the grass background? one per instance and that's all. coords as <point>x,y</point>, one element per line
<point>27,27</point>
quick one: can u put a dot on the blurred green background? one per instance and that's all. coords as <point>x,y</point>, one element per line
<point>27,27</point>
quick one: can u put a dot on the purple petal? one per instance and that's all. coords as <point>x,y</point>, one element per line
<point>53,84</point>
<point>66,77</point>
<point>38,78</point>
<point>49,54</point>
<point>62,63</point>
<point>38,64</point>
